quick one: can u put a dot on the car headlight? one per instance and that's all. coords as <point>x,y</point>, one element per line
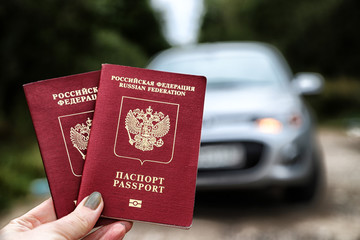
<point>269,125</point>
<point>274,126</point>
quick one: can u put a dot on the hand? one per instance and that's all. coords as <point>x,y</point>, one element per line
<point>40,223</point>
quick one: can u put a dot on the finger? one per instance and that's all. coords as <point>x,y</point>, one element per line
<point>114,231</point>
<point>107,221</point>
<point>39,215</point>
<point>78,223</point>
<point>128,225</point>
<point>45,212</point>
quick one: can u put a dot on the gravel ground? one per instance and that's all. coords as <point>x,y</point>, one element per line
<point>258,216</point>
<point>264,216</point>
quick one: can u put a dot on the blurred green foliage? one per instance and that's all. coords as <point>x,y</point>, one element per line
<point>313,35</point>
<point>46,39</point>
<point>338,103</point>
<point>52,38</point>
<point>320,36</point>
<point>18,167</point>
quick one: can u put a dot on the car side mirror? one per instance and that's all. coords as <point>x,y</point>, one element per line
<point>308,83</point>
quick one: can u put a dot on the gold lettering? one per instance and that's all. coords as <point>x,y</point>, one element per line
<point>147,179</point>
<point>147,187</point>
<point>155,179</point>
<point>76,96</point>
<point>132,176</point>
<point>135,182</point>
<point>72,101</point>
<point>165,91</point>
<point>140,178</point>
<point>119,175</point>
<point>78,93</point>
<point>115,182</point>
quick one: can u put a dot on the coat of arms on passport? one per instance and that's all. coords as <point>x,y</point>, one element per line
<point>79,136</point>
<point>146,130</point>
<point>148,127</point>
<point>75,130</point>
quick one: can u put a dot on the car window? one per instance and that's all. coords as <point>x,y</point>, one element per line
<point>226,70</point>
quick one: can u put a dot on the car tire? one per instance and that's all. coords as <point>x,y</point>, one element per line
<point>313,188</point>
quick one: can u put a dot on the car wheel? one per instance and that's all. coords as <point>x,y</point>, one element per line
<point>312,189</point>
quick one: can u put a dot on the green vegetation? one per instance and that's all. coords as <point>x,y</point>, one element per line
<point>47,39</point>
<point>319,36</point>
<point>339,102</point>
<point>313,35</point>
<point>18,167</point>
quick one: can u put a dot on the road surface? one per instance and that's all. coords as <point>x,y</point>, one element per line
<point>259,216</point>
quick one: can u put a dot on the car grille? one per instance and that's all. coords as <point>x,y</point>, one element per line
<point>251,157</point>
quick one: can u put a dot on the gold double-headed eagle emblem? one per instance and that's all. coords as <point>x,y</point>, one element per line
<point>148,127</point>
<point>79,136</point>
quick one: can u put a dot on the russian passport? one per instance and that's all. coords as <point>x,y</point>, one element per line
<point>140,145</point>
<point>144,145</point>
<point>62,112</point>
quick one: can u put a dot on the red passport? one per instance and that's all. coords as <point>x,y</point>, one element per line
<point>62,111</point>
<point>144,145</point>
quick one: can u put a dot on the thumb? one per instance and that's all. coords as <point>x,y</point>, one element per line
<point>80,222</point>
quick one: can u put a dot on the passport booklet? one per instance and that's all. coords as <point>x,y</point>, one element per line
<point>143,149</point>
<point>62,110</point>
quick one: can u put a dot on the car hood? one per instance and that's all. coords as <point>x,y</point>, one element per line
<point>250,102</point>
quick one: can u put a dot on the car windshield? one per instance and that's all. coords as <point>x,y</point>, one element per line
<point>226,71</point>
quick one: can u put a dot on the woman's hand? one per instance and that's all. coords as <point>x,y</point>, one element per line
<point>40,223</point>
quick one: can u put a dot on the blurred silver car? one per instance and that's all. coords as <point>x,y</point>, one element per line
<point>257,132</point>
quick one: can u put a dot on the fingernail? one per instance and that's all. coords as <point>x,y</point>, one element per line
<point>93,200</point>
<point>127,225</point>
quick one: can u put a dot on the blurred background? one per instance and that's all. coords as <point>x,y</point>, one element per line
<point>47,39</point>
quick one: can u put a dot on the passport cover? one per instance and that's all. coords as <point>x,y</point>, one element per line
<point>61,110</point>
<point>144,145</point>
